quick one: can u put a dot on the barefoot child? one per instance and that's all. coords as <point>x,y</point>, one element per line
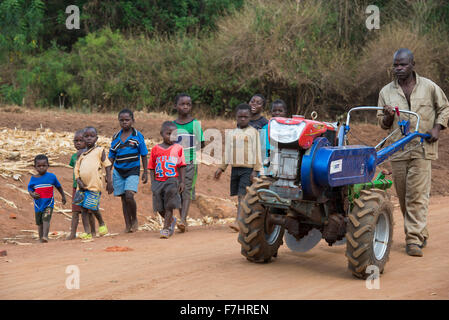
<point>167,165</point>
<point>242,151</point>
<point>88,176</point>
<point>80,146</point>
<point>257,103</point>
<point>191,138</point>
<point>40,188</point>
<point>126,147</point>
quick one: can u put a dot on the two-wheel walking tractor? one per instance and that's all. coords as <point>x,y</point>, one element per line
<point>318,187</point>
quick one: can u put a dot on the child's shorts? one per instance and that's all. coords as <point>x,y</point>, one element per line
<point>240,179</point>
<point>191,173</point>
<point>122,184</point>
<point>166,195</point>
<point>91,200</point>
<point>75,207</point>
<point>43,216</point>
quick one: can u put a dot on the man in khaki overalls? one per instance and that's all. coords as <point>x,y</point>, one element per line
<point>412,168</point>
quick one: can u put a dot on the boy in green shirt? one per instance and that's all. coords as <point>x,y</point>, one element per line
<point>80,146</point>
<point>191,138</point>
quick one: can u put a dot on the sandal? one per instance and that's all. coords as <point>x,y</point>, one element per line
<point>103,230</point>
<point>165,234</point>
<point>172,226</point>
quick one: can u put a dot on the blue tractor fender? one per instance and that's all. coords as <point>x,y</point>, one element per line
<point>309,188</point>
<point>325,166</point>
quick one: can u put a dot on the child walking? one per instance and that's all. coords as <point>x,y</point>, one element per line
<point>40,189</point>
<point>88,175</point>
<point>127,147</point>
<point>167,168</point>
<point>80,146</point>
<point>191,138</point>
<point>242,151</point>
<point>257,104</point>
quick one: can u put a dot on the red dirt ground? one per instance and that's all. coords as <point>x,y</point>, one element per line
<point>207,254</point>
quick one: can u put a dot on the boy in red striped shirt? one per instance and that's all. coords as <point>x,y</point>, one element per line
<point>167,165</point>
<point>40,188</point>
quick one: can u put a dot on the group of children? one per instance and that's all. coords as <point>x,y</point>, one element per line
<point>173,168</point>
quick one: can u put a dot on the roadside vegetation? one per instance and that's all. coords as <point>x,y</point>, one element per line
<point>315,54</point>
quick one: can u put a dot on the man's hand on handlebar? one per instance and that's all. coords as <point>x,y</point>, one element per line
<point>389,111</point>
<point>434,133</point>
<point>388,116</point>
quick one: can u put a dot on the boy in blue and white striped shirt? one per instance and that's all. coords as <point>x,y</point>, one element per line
<point>127,149</point>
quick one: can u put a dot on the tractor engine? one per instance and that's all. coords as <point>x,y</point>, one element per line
<point>307,169</point>
<point>289,140</point>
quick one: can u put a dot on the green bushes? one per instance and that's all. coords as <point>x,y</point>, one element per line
<point>47,76</point>
<point>9,94</point>
<point>21,24</point>
<point>107,71</point>
<point>28,25</point>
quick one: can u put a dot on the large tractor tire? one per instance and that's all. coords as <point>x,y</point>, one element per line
<point>260,239</point>
<point>369,232</point>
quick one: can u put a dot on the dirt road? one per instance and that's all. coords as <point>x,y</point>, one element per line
<point>205,263</point>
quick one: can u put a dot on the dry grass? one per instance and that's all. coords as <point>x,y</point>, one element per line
<point>11,108</point>
<point>374,69</point>
<point>19,147</point>
<point>256,42</point>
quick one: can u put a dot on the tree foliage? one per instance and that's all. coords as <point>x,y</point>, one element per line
<point>21,25</point>
<point>32,24</point>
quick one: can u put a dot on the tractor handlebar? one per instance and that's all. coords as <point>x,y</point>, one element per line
<point>381,108</point>
<point>386,152</point>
